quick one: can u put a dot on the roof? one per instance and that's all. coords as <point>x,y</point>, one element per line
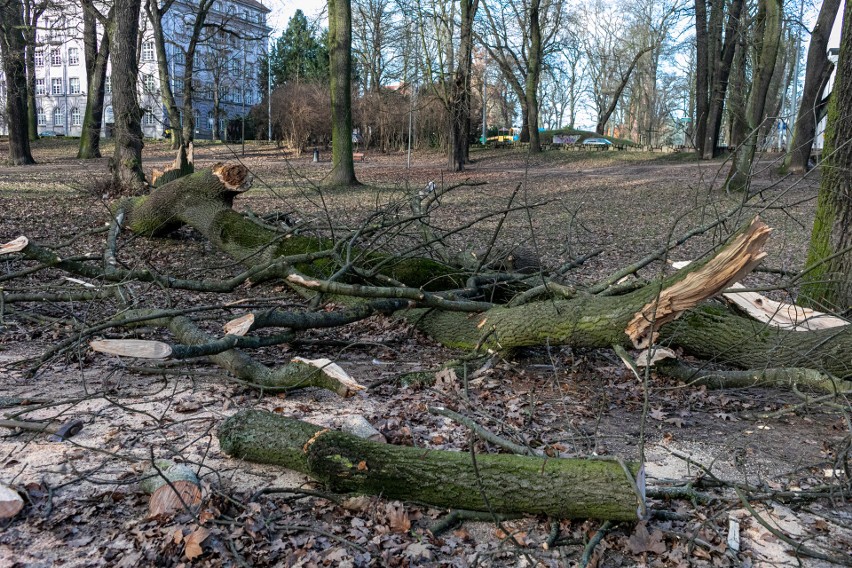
<point>254,4</point>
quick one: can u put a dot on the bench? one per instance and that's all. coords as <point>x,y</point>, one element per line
<point>358,156</point>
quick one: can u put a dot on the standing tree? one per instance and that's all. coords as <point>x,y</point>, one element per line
<point>297,55</point>
<point>96,67</point>
<point>127,159</point>
<point>817,74</point>
<point>829,278</point>
<point>155,12</point>
<point>460,98</point>
<point>12,55</point>
<point>340,75</point>
<point>768,34</point>
<point>33,11</point>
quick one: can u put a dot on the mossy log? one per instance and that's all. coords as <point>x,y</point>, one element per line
<point>499,483</point>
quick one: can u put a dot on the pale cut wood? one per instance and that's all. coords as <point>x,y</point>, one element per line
<point>781,314</point>
<point>239,326</point>
<point>658,354</point>
<point>17,245</point>
<point>11,502</point>
<point>736,260</point>
<point>334,371</point>
<point>139,348</point>
<point>173,498</point>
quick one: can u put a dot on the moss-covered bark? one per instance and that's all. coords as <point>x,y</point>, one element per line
<point>501,483</point>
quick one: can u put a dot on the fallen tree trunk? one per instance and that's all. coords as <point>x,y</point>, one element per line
<point>498,483</point>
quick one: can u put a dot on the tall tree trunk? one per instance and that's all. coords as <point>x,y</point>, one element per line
<point>769,20</point>
<point>719,82</point>
<point>459,110</point>
<point>12,54</point>
<point>702,75</point>
<point>96,69</point>
<point>739,91</point>
<point>340,75</point>
<point>155,15</point>
<point>127,159</point>
<point>817,74</point>
<point>604,118</point>
<point>533,75</point>
<point>829,282</point>
<point>32,13</point>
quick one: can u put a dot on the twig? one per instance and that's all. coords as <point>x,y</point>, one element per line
<point>593,543</point>
<point>483,432</point>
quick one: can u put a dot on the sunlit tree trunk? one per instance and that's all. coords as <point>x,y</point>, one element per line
<point>340,75</point>
<point>96,57</point>
<point>155,14</point>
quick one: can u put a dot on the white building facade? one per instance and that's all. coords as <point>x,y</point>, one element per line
<point>227,61</point>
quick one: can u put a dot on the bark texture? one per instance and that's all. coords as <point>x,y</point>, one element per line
<point>501,483</point>
<point>340,76</point>
<point>12,57</point>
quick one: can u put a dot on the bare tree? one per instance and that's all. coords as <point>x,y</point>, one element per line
<point>127,159</point>
<point>96,56</point>
<point>14,68</point>
<point>155,12</point>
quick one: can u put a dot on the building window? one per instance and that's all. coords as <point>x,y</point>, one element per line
<point>41,88</point>
<point>148,118</point>
<point>235,67</point>
<point>56,86</point>
<point>76,117</point>
<point>74,85</point>
<point>148,83</point>
<point>39,58</point>
<point>40,116</point>
<point>148,51</point>
<point>178,57</point>
<point>73,56</point>
<point>58,117</point>
<point>108,85</point>
<point>55,56</point>
<point>109,117</point>
<point>178,85</point>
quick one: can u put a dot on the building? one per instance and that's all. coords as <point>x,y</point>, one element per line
<point>225,72</point>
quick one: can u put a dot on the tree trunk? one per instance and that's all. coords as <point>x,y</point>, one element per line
<point>829,282</point>
<point>719,81</point>
<point>155,16</point>
<point>533,77</point>
<point>769,20</point>
<point>96,69</point>
<point>12,55</point>
<point>817,73</point>
<point>459,108</point>
<point>702,74</point>
<point>739,87</point>
<point>340,75</point>
<point>127,159</point>
<point>500,483</point>
<point>604,118</point>
<point>31,17</point>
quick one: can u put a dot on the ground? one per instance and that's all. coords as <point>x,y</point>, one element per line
<point>85,508</point>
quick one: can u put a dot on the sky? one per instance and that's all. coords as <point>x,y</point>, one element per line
<point>283,10</point>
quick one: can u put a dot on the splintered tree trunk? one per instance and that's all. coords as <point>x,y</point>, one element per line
<point>12,56</point>
<point>127,159</point>
<point>829,282</point>
<point>817,74</point>
<point>500,483</point>
<point>340,76</point>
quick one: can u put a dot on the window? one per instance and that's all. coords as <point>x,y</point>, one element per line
<point>74,86</point>
<point>58,117</point>
<point>148,118</point>
<point>55,56</point>
<point>41,88</point>
<point>108,85</point>
<point>56,86</point>
<point>148,51</point>
<point>109,117</point>
<point>76,117</point>
<point>39,58</point>
<point>238,96</point>
<point>40,116</point>
<point>178,85</point>
<point>178,57</point>
<point>235,67</point>
<point>73,56</point>
<point>148,83</point>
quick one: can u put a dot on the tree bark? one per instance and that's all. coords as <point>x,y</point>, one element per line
<point>769,21</point>
<point>155,14</point>
<point>829,282</point>
<point>817,73</point>
<point>340,76</point>
<point>96,69</point>
<point>13,55</point>
<point>604,118</point>
<point>533,77</point>
<point>32,13</point>
<point>459,108</point>
<point>127,158</point>
<point>500,483</point>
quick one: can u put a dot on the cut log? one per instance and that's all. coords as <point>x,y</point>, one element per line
<point>139,348</point>
<point>781,314</point>
<point>500,483</point>
<point>173,487</point>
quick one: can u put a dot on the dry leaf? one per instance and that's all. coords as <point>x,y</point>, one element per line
<point>165,501</point>
<point>642,541</point>
<point>359,504</point>
<point>446,380</point>
<point>11,502</point>
<point>397,517</point>
<point>193,543</point>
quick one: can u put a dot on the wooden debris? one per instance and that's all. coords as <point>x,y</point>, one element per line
<point>781,314</point>
<point>239,326</point>
<point>139,348</point>
<point>173,488</point>
<point>234,177</point>
<point>17,245</point>
<point>736,260</point>
<point>334,371</point>
<point>11,502</point>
